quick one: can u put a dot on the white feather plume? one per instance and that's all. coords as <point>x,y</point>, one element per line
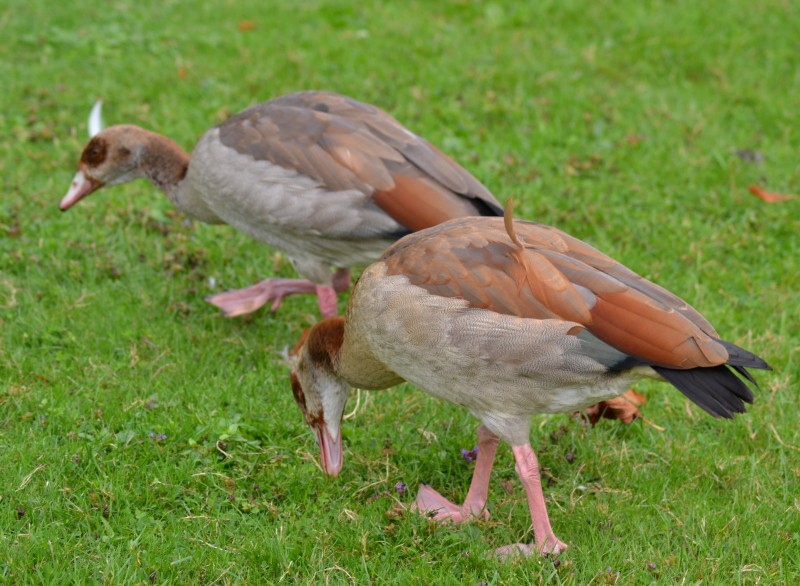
<point>96,118</point>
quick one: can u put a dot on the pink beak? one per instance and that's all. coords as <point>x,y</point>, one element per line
<point>330,450</point>
<point>81,187</point>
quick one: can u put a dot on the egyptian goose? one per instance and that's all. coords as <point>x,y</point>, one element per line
<point>330,181</point>
<point>507,321</point>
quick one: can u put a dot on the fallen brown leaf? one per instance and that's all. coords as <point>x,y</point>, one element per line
<point>624,408</point>
<point>768,196</point>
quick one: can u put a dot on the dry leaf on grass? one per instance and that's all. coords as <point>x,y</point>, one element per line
<point>624,408</point>
<point>770,197</point>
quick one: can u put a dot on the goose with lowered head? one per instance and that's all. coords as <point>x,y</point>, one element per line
<point>508,321</point>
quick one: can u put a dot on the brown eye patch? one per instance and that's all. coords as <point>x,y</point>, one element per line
<point>297,391</point>
<point>95,152</point>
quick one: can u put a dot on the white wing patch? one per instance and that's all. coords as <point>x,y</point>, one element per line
<point>96,119</point>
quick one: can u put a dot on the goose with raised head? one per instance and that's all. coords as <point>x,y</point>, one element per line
<point>328,180</point>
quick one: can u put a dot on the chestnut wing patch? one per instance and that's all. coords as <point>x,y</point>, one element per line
<point>557,276</point>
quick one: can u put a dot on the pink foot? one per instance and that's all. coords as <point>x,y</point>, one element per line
<point>431,503</point>
<point>552,546</point>
<point>434,506</point>
<point>249,299</point>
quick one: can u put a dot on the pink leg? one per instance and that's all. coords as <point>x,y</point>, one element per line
<point>546,541</point>
<point>249,299</point>
<point>326,300</point>
<point>430,502</point>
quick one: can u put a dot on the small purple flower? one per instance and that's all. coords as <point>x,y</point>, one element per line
<point>159,437</point>
<point>400,487</point>
<point>469,455</point>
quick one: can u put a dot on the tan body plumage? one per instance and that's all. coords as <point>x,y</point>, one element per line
<point>508,326</point>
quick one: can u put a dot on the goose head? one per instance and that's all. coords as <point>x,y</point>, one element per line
<point>111,157</point>
<point>320,392</point>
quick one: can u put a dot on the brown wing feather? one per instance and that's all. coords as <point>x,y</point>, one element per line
<point>557,276</point>
<point>418,202</point>
<point>345,144</point>
<point>585,253</point>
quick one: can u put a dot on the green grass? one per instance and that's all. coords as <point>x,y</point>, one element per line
<point>145,439</point>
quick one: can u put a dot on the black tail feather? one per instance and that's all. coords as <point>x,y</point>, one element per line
<point>717,390</point>
<point>744,372</point>
<point>740,357</point>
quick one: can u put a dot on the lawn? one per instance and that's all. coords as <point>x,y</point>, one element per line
<point>146,439</point>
